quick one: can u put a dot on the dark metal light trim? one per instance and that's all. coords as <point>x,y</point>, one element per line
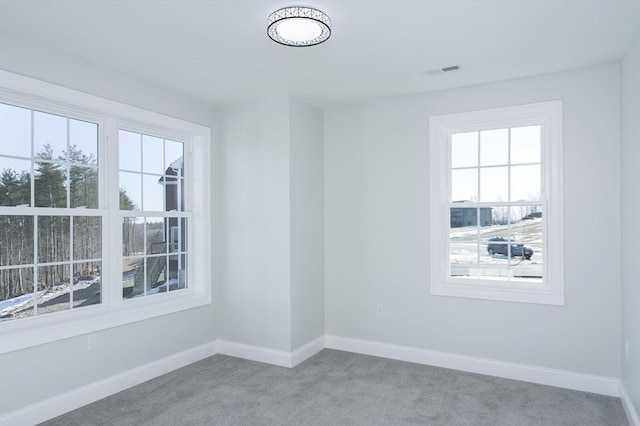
<point>299,12</point>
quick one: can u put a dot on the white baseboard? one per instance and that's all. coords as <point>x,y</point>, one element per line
<point>270,356</point>
<point>60,404</point>
<point>632,414</point>
<point>305,352</point>
<point>254,353</point>
<point>528,373</point>
<point>84,395</point>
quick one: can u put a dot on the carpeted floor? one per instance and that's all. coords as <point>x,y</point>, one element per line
<point>341,388</point>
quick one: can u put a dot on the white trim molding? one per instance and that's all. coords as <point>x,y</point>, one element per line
<point>60,404</point>
<point>509,370</point>
<point>76,398</point>
<point>271,356</point>
<point>627,404</point>
<point>79,397</point>
<point>306,351</point>
<point>254,353</point>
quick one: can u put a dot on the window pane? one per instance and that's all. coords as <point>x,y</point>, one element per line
<point>16,240</point>
<point>173,153</point>
<point>152,155</point>
<point>463,259</point>
<point>174,194</point>
<point>15,182</point>
<point>84,187</point>
<point>500,215</point>
<point>86,284</point>
<point>525,183</point>
<point>177,234</point>
<point>494,263</point>
<point>53,239</point>
<point>15,131</point>
<point>500,258</point>
<point>155,234</point>
<point>50,136</point>
<point>55,282</point>
<point>464,185</point>
<point>132,236</point>
<point>50,185</point>
<point>494,147</point>
<point>527,229</point>
<point>132,273</point>
<point>527,216</point>
<point>525,145</point>
<point>144,276</point>
<point>130,151</point>
<point>464,149</point>
<point>130,191</point>
<point>153,193</point>
<point>465,217</point>
<point>177,272</point>
<point>87,237</point>
<point>156,270</point>
<point>16,293</point>
<point>83,141</point>
<point>494,184</point>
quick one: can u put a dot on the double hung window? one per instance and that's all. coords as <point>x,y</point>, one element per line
<point>97,209</point>
<point>497,204</point>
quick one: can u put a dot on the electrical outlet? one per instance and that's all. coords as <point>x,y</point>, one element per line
<point>379,310</point>
<point>92,341</point>
<point>626,349</point>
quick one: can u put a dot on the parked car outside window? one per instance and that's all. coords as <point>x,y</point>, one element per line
<point>499,245</point>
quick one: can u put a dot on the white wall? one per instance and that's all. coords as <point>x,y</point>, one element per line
<point>254,295</point>
<point>630,207</point>
<point>33,61</point>
<point>32,375</point>
<point>307,224</point>
<point>377,238</point>
<point>271,292</point>
<point>35,374</point>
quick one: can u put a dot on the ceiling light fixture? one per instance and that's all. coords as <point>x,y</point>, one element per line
<point>299,26</point>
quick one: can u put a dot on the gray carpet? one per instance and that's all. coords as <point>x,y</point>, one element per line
<point>341,388</point>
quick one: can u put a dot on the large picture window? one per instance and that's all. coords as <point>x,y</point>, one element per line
<point>96,213</point>
<point>496,192</point>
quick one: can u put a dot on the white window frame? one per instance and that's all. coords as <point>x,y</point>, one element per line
<point>114,310</point>
<point>549,116</point>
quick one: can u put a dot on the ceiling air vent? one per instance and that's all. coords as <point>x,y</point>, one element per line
<point>453,68</point>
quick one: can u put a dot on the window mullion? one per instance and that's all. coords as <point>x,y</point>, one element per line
<point>35,261</point>
<point>32,177</point>
<point>479,147</point>
<point>112,242</point>
<point>509,236</point>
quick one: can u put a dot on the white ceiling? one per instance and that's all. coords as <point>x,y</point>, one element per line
<point>218,52</point>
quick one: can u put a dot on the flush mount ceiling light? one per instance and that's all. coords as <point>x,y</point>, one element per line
<point>299,26</point>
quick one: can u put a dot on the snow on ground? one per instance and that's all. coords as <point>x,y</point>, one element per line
<point>463,256</point>
<point>172,283</point>
<point>465,250</point>
<point>526,231</point>
<point>10,305</point>
<point>17,303</point>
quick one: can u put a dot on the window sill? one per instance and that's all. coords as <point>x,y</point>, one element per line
<point>30,332</point>
<point>531,294</point>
